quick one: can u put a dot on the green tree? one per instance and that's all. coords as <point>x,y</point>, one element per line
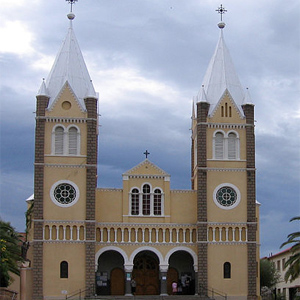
<point>293,263</point>
<point>10,253</point>
<point>269,275</point>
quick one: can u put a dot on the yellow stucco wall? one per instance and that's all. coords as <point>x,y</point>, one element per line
<point>55,253</point>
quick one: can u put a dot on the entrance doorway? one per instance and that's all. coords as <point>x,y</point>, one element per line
<point>172,276</point>
<point>110,275</point>
<point>117,279</point>
<point>146,273</point>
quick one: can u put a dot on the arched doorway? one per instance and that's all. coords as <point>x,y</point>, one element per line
<point>146,273</point>
<point>182,262</point>
<point>110,276</point>
<point>172,276</point>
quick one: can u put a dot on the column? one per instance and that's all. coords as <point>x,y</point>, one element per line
<point>163,279</point>
<point>128,276</point>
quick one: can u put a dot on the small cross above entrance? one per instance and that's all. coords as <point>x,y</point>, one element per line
<point>146,153</point>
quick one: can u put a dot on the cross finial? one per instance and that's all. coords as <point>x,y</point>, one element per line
<point>146,153</point>
<point>221,10</point>
<point>72,2</point>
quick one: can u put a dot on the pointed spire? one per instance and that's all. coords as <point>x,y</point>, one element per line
<point>43,89</point>
<point>69,66</point>
<point>247,99</point>
<point>221,76</point>
<point>202,95</point>
<point>91,91</point>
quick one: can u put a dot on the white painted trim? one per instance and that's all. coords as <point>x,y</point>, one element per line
<point>238,193</point>
<point>60,182</point>
<point>147,248</point>
<point>111,248</point>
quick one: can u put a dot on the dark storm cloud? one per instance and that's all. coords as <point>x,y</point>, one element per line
<point>147,60</point>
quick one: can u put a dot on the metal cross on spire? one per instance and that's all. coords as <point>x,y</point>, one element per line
<point>71,2</point>
<point>146,153</point>
<point>221,10</point>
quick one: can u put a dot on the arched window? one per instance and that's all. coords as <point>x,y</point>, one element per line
<point>226,145</point>
<point>135,204</point>
<point>146,199</point>
<point>59,140</point>
<point>219,146</point>
<point>64,269</point>
<point>227,270</point>
<point>232,146</point>
<point>65,141</point>
<point>157,202</point>
<point>73,141</point>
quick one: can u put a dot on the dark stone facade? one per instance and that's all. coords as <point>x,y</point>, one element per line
<point>91,184</point>
<point>202,111</point>
<point>41,105</point>
<point>251,201</point>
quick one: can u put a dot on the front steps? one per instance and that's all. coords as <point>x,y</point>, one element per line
<point>154,297</point>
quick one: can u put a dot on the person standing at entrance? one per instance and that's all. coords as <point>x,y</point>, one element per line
<point>174,287</point>
<point>133,286</point>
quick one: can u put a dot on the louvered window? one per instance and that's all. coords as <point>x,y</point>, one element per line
<point>146,199</point>
<point>157,202</point>
<point>219,145</point>
<point>232,146</point>
<point>135,204</point>
<point>73,138</point>
<point>59,140</point>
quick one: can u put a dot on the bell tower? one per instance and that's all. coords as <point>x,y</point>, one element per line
<point>223,173</point>
<point>66,141</point>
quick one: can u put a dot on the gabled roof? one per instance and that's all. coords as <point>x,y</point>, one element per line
<point>152,169</point>
<point>69,66</point>
<point>221,76</point>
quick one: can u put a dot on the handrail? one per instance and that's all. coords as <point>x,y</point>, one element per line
<point>214,291</point>
<point>79,292</point>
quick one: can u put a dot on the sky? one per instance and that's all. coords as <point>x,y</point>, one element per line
<point>147,60</point>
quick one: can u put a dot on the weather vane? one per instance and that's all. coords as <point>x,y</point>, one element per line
<point>221,10</point>
<point>71,2</point>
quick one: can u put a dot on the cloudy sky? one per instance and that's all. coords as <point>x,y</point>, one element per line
<point>147,59</point>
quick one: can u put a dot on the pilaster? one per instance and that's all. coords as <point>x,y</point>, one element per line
<point>38,215</point>
<point>202,111</point>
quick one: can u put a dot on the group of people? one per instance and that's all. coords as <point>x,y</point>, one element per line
<point>181,287</point>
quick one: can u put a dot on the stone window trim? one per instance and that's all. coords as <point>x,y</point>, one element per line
<point>148,204</point>
<point>69,183</point>
<point>69,143</point>
<point>237,196</point>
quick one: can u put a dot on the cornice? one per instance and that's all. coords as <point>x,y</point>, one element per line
<point>183,191</point>
<point>65,165</point>
<point>225,125</point>
<point>65,119</point>
<point>227,169</point>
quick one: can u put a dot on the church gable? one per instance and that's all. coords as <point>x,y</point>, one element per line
<point>146,168</point>
<point>66,104</point>
<point>226,111</point>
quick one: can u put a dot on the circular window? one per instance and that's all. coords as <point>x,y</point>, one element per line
<point>66,105</point>
<point>226,196</point>
<point>64,193</point>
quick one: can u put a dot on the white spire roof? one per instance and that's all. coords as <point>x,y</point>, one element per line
<point>221,76</point>
<point>69,66</point>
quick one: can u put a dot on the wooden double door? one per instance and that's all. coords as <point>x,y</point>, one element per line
<point>146,274</point>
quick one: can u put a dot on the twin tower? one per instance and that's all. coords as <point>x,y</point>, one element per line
<point>100,240</point>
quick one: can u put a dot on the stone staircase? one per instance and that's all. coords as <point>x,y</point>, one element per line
<point>154,297</point>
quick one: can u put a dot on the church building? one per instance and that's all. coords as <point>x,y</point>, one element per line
<point>145,236</point>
